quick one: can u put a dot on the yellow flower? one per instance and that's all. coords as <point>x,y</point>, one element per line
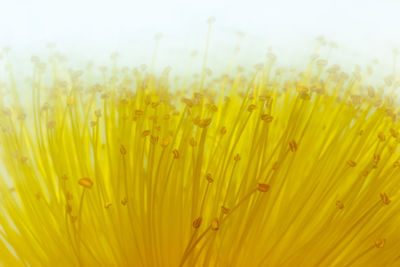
<point>257,169</point>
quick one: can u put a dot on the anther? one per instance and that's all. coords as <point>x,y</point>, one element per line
<point>68,208</point>
<point>69,196</point>
<point>153,139</point>
<point>86,182</point>
<point>209,178</point>
<point>394,133</point>
<point>165,142</point>
<point>381,137</point>
<point>145,133</point>
<point>197,120</point>
<point>385,199</point>
<point>396,164</point>
<point>197,222</point>
<point>225,210</point>
<point>192,142</point>
<point>215,224</point>
<point>223,130</point>
<point>275,165</point>
<point>213,108</point>
<point>51,125</point>
<point>339,204</point>
<point>293,146</point>
<point>267,118</point>
<point>237,158</point>
<point>204,123</point>
<point>122,149</point>
<point>74,219</point>
<point>263,187</point>
<point>176,153</point>
<point>351,163</point>
<point>124,201</point>
<point>139,112</point>
<point>305,96</point>
<point>251,108</point>
<point>188,102</point>
<point>264,98</point>
<point>97,112</point>
<point>380,243</point>
<point>107,205</point>
<point>301,88</point>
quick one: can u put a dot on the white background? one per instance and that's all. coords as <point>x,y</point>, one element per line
<point>88,29</point>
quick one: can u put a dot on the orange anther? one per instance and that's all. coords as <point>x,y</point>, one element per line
<point>197,222</point>
<point>237,158</point>
<point>153,139</point>
<point>339,204</point>
<point>122,149</point>
<point>176,153</point>
<point>266,117</point>
<point>139,112</point>
<point>351,163</point>
<point>97,112</point>
<point>382,136</point>
<point>204,123</point>
<point>262,187</point>
<point>215,224</point>
<point>165,142</point>
<point>225,210</point>
<point>385,199</point>
<point>380,243</point>
<point>192,142</point>
<point>223,130</point>
<point>209,178</point>
<point>145,133</point>
<point>251,108</point>
<point>293,146</point>
<point>86,182</point>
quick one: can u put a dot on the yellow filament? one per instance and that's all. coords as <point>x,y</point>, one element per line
<point>270,170</point>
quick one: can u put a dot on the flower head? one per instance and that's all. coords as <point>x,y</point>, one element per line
<point>268,168</point>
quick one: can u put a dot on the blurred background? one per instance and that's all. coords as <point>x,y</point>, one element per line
<point>86,30</point>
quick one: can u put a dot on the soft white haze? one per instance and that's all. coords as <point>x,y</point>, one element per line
<point>87,29</point>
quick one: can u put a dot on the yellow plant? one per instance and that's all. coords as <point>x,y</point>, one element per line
<point>271,167</point>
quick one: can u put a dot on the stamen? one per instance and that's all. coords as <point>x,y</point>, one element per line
<point>86,182</point>
<point>380,243</point>
<point>351,163</point>
<point>385,199</point>
<point>215,224</point>
<point>293,146</point>
<point>262,187</point>
<point>209,178</point>
<point>339,204</point>
<point>122,149</point>
<point>197,222</point>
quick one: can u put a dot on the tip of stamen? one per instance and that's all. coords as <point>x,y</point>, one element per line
<point>86,182</point>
